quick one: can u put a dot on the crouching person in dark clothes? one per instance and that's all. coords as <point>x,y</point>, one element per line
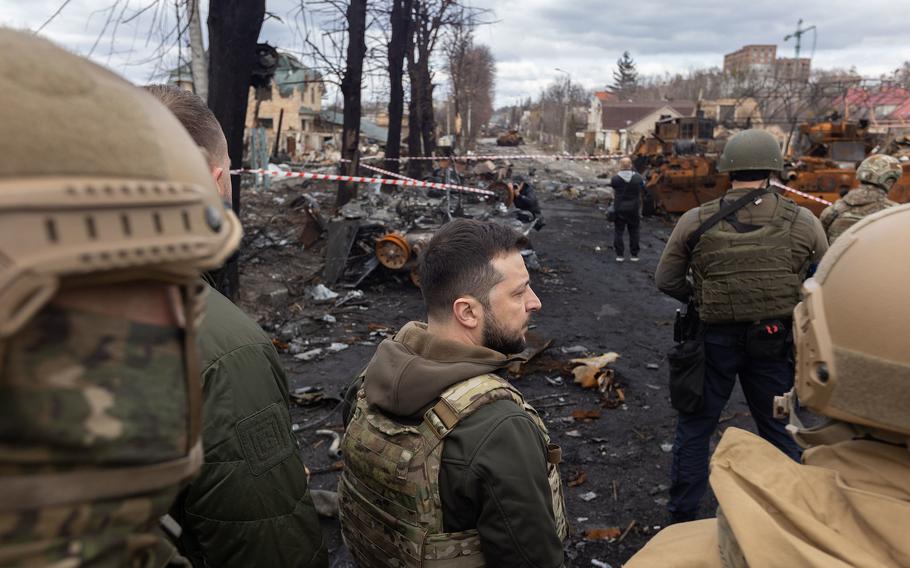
<point>627,186</point>
<point>445,464</point>
<point>526,200</point>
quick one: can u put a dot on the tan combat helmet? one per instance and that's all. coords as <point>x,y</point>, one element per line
<point>98,183</point>
<point>853,363</point>
<point>880,170</point>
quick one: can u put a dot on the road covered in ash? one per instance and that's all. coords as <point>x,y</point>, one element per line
<point>616,457</point>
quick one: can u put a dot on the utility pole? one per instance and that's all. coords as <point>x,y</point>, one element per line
<point>565,110</point>
<point>798,34</point>
<point>199,65</point>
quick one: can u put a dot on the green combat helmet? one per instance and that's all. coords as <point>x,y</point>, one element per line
<point>108,216</point>
<point>751,150</point>
<point>879,170</point>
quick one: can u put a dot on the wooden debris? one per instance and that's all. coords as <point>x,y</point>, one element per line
<point>628,529</point>
<point>577,478</point>
<point>604,533</point>
<point>585,415</point>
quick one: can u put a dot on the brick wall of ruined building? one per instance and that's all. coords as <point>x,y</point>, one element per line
<point>299,126</point>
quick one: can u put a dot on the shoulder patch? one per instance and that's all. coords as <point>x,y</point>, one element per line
<point>265,439</point>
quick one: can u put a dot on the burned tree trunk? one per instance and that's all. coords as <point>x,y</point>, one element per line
<point>398,45</point>
<point>233,32</point>
<point>425,106</point>
<point>350,90</point>
<point>413,109</point>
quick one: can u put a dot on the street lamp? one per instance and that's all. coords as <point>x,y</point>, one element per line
<point>565,109</point>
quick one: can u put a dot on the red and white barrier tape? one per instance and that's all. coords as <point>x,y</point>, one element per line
<point>500,157</point>
<point>800,193</point>
<point>386,172</point>
<point>450,186</point>
<point>357,179</point>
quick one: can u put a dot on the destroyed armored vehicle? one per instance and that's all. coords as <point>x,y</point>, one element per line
<point>510,138</point>
<point>679,165</point>
<point>822,160</point>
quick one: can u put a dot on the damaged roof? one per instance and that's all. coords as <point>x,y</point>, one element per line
<point>369,129</point>
<point>291,74</point>
<point>619,115</point>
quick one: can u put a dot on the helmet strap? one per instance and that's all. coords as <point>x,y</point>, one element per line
<point>829,432</point>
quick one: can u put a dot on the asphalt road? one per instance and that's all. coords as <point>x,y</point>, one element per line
<point>591,301</point>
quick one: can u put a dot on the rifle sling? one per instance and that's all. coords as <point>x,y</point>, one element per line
<point>724,211</point>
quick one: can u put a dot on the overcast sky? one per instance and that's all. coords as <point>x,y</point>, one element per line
<point>531,38</point>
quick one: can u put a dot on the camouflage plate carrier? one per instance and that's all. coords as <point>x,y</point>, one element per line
<point>742,277</point>
<point>391,513</point>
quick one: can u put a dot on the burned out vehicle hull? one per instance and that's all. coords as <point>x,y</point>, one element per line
<point>682,183</point>
<point>822,163</point>
<point>510,138</point>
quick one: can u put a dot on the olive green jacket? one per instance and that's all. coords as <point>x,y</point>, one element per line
<point>493,475</point>
<point>808,242</point>
<point>250,505</point>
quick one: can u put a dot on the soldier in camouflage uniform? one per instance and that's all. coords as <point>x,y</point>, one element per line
<point>446,465</point>
<point>101,245</point>
<point>876,175</point>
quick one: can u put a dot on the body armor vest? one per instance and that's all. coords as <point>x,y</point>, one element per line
<point>742,277</point>
<point>390,509</point>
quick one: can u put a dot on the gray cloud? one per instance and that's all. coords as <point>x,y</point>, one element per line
<point>531,38</point>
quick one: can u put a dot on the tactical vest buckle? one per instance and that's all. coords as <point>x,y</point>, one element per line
<point>446,417</point>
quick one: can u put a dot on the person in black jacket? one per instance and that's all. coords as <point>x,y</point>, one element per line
<point>526,200</point>
<point>627,186</point>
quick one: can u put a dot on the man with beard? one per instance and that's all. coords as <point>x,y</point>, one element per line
<point>445,464</point>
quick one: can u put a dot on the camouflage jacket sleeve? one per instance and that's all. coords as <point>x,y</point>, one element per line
<point>827,217</point>
<point>673,267</point>
<point>494,478</point>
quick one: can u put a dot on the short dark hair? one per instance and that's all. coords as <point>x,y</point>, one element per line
<point>458,262</point>
<point>749,175</point>
<point>194,115</point>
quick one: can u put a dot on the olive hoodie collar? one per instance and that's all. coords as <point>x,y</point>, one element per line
<point>411,370</point>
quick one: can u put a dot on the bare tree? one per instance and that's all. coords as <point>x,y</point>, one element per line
<point>351,85</point>
<point>400,20</point>
<point>555,113</point>
<point>472,71</point>
<point>429,19</point>
<point>336,39</point>
<point>233,33</point>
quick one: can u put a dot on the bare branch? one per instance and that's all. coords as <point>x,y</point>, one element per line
<point>140,12</point>
<point>54,15</point>
<point>110,16</point>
